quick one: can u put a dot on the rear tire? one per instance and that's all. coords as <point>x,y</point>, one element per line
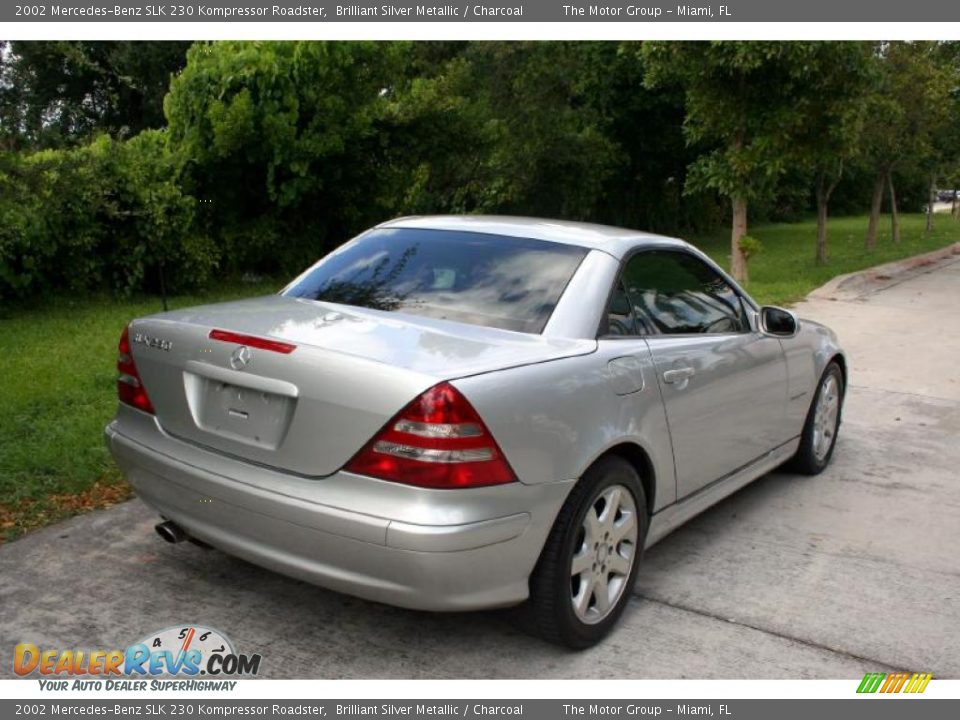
<point>822,425</point>
<point>586,572</point>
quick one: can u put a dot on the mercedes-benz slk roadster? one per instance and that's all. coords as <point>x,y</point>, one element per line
<point>453,413</point>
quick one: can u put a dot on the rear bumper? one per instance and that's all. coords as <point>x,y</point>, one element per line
<point>412,547</point>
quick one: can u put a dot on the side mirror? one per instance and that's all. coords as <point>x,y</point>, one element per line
<point>778,322</point>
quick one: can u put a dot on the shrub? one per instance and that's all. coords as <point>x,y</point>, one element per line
<point>106,215</point>
<point>749,246</point>
<point>284,144</point>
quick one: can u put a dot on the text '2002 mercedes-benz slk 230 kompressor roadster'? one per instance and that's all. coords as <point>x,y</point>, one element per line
<point>452,413</point>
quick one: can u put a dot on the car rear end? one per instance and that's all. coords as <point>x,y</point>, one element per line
<point>328,433</point>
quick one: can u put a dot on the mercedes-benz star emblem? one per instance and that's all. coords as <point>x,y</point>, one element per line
<point>240,357</point>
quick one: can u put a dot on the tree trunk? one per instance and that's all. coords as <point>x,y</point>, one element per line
<point>738,265</point>
<point>931,199</point>
<point>871,240</point>
<point>823,197</point>
<point>163,289</point>
<point>825,188</point>
<point>954,206</point>
<point>821,258</point>
<point>894,215</point>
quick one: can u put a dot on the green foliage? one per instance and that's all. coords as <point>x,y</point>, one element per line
<point>749,246</point>
<point>908,107</point>
<point>320,140</point>
<point>285,143</point>
<point>58,393</point>
<point>153,221</point>
<point>744,103</point>
<point>61,92</point>
<point>509,127</point>
<point>785,270</point>
<point>276,152</point>
<point>105,214</point>
<point>834,106</point>
<point>648,186</point>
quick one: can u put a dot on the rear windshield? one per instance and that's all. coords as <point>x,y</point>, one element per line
<point>490,280</point>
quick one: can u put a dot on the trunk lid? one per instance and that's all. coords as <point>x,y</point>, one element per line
<point>310,410</point>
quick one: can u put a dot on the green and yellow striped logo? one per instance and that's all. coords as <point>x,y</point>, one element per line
<point>894,682</point>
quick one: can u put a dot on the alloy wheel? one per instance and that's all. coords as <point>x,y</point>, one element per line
<point>825,417</point>
<point>606,546</point>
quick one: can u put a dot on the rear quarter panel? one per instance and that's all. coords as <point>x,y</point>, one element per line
<point>554,419</point>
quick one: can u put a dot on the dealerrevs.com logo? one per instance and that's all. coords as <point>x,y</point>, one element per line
<point>175,652</point>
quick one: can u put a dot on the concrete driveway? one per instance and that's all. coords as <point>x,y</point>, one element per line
<point>855,570</point>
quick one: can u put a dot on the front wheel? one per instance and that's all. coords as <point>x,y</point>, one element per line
<point>585,575</point>
<point>822,425</point>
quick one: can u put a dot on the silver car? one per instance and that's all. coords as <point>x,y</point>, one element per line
<point>452,413</point>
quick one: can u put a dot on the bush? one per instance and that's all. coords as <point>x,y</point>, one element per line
<point>749,246</point>
<point>106,215</point>
<point>48,227</point>
<point>285,144</point>
<point>153,222</point>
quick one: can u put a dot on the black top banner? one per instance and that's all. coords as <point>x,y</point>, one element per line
<point>485,11</point>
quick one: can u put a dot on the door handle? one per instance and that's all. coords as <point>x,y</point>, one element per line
<point>678,375</point>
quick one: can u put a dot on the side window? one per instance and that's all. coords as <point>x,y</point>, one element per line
<point>679,293</point>
<point>619,318</point>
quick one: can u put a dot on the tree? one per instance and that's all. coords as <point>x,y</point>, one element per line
<point>7,120</point>
<point>552,150</point>
<point>63,92</point>
<point>833,106</point>
<point>508,127</point>
<point>106,214</point>
<point>905,111</point>
<point>646,188</point>
<point>946,138</point>
<point>741,110</point>
<point>286,144</point>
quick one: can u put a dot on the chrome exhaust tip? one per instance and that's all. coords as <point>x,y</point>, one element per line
<point>171,532</point>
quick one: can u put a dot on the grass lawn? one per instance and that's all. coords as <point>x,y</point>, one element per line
<point>784,272</point>
<point>59,363</point>
<point>58,391</point>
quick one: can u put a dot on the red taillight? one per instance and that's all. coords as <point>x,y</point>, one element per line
<point>252,341</point>
<point>129,385</point>
<point>437,441</point>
